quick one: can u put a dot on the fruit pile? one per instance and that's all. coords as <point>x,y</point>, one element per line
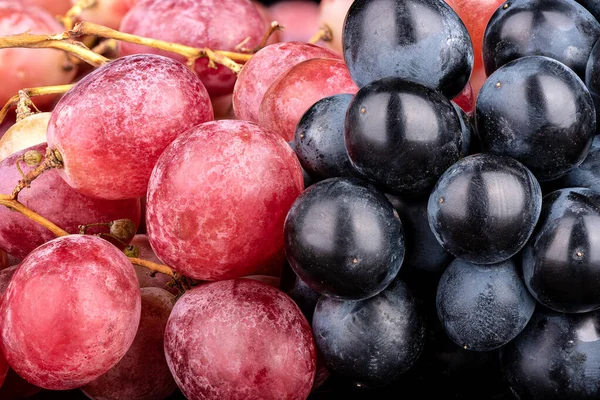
<point>206,199</point>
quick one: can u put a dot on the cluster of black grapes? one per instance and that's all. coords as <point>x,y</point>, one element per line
<point>445,252</point>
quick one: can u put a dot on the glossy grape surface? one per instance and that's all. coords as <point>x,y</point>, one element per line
<point>559,29</point>
<point>536,110</point>
<point>560,265</point>
<point>343,238</point>
<point>420,40</point>
<point>586,174</point>
<point>402,135</point>
<point>319,138</point>
<point>484,208</point>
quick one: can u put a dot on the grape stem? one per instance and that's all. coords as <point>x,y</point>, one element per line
<point>75,11</point>
<point>324,33</point>
<point>30,92</point>
<point>52,160</point>
<point>13,204</point>
<point>226,58</point>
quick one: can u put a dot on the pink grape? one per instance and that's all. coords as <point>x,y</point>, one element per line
<point>113,125</point>
<point>264,13</point>
<point>264,68</point>
<point>333,13</point>
<point>70,312</point>
<point>142,242</point>
<point>216,24</point>
<point>299,18</point>
<point>27,68</point>
<point>106,12</point>
<point>240,339</point>
<point>218,197</point>
<point>298,89</point>
<point>143,373</point>
<point>25,133</point>
<point>53,7</point>
<point>52,198</point>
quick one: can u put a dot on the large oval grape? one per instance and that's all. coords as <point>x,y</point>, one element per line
<point>420,40</point>
<point>218,198</point>
<point>70,312</point>
<point>240,339</point>
<point>537,111</point>
<point>484,208</point>
<point>114,124</point>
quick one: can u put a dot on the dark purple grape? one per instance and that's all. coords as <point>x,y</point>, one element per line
<point>419,40</point>
<point>423,252</point>
<point>470,140</point>
<point>371,342</point>
<point>344,239</point>
<point>402,135</point>
<point>319,138</point>
<point>536,110</point>
<point>592,79</point>
<point>556,357</point>
<point>484,208</point>
<point>483,307</point>
<point>308,180</point>
<point>587,174</point>
<point>560,29</point>
<point>302,294</point>
<point>561,263</point>
<point>593,6</point>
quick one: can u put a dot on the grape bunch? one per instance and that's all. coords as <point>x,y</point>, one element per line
<point>232,199</point>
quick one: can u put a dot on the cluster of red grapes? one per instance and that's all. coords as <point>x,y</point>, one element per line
<point>415,205</point>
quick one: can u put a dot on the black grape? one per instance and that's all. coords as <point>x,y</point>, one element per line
<point>343,238</point>
<point>419,40</point>
<point>561,262</point>
<point>402,135</point>
<point>484,208</point>
<point>539,112</point>
<point>483,307</point>
<point>560,29</point>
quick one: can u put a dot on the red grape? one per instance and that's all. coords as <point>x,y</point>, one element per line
<point>466,100</point>
<point>26,68</point>
<point>299,18</point>
<point>25,133</point>
<point>264,13</point>
<point>146,253</point>
<point>218,197</point>
<point>113,125</point>
<point>70,312</point>
<point>216,24</point>
<point>240,339</point>
<point>52,198</point>
<point>143,373</point>
<point>3,368</point>
<point>299,88</point>
<point>264,68</point>
<point>475,14</point>
<point>3,260</point>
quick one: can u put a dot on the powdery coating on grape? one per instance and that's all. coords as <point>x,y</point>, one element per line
<point>240,339</point>
<point>113,125</point>
<point>145,278</point>
<point>483,307</point>
<point>264,68</point>
<point>51,197</point>
<point>26,68</point>
<point>70,312</point>
<point>143,373</point>
<point>216,24</point>
<point>218,198</point>
<point>307,82</point>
